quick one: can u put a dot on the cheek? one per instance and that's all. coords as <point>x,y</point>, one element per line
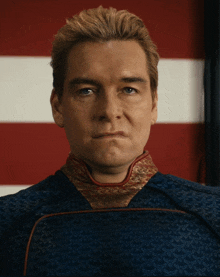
<point>142,118</point>
<point>72,114</point>
<point>141,126</point>
<point>76,124</point>
<point>71,122</point>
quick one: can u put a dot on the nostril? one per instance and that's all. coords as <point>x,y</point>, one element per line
<point>101,118</point>
<point>107,118</point>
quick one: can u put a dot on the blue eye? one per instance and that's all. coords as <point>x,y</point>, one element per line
<point>129,90</point>
<point>85,91</point>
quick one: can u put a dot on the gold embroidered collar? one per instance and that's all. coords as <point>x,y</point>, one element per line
<point>115,195</point>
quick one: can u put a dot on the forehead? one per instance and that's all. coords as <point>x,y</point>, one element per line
<point>113,59</point>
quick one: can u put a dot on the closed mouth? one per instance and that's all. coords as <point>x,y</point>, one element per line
<point>114,134</point>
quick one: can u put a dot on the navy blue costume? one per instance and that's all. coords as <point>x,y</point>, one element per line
<point>171,227</point>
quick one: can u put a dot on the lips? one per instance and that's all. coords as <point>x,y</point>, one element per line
<point>110,134</point>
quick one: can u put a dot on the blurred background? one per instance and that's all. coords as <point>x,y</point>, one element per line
<point>32,147</point>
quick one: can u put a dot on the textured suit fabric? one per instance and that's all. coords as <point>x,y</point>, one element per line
<point>170,228</point>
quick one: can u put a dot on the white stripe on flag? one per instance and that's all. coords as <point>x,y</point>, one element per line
<point>26,84</point>
<point>10,189</point>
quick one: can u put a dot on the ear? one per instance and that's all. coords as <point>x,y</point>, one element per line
<point>56,109</point>
<point>154,112</point>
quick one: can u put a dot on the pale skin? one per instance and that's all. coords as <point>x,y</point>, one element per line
<point>106,108</point>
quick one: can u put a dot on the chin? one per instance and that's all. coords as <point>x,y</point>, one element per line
<point>112,158</point>
<point>113,154</point>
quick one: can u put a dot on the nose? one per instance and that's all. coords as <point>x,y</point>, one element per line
<point>108,106</point>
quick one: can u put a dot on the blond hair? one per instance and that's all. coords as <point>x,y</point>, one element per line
<point>100,25</point>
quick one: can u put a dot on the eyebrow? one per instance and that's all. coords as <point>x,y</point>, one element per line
<point>81,80</point>
<point>133,80</point>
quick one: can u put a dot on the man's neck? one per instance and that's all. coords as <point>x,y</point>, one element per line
<point>104,177</point>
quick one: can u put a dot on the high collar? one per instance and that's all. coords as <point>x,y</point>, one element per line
<point>110,195</point>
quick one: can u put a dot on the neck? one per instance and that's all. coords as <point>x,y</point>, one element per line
<point>109,189</point>
<point>107,175</point>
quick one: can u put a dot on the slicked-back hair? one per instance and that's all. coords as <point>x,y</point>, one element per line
<point>101,25</point>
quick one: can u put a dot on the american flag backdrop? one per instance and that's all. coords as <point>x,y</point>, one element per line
<point>32,147</point>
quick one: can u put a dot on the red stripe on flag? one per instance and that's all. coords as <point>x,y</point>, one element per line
<point>27,27</point>
<point>29,152</point>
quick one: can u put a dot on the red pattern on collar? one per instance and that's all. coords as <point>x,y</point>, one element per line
<point>110,195</point>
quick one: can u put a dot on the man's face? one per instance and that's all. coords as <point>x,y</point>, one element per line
<point>106,107</point>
